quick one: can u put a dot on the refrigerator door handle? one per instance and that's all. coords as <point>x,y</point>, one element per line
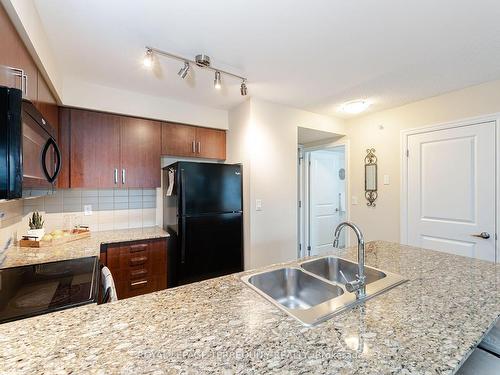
<point>183,242</point>
<point>183,226</point>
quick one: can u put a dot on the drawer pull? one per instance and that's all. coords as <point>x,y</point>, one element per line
<point>138,273</point>
<point>136,248</point>
<point>138,260</point>
<point>139,283</point>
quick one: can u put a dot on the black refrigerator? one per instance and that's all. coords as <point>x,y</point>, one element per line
<point>203,212</point>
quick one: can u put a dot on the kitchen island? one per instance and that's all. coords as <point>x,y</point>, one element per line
<point>428,325</point>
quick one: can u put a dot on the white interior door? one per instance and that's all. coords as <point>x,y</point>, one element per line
<point>451,190</point>
<point>327,193</point>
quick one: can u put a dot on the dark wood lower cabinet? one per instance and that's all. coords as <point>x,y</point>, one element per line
<point>137,267</point>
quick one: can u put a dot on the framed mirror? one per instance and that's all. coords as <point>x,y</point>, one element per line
<point>371,177</point>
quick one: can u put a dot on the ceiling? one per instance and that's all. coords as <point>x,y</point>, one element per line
<point>307,135</point>
<point>312,54</point>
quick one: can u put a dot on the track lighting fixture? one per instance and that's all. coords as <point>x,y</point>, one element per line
<point>217,82</point>
<point>184,70</point>
<point>148,58</point>
<point>243,88</point>
<point>201,61</point>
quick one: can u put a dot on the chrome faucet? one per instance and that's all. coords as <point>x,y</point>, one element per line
<point>358,285</point>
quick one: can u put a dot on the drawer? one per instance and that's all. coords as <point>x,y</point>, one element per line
<point>138,267</point>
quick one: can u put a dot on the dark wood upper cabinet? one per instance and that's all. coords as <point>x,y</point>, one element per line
<point>140,153</point>
<point>211,143</point>
<point>178,139</point>
<point>46,103</point>
<point>102,150</point>
<point>14,54</point>
<point>94,149</point>
<point>193,141</point>
<point>64,141</point>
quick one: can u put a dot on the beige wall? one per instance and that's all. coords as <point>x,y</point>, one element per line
<point>263,136</point>
<point>383,221</point>
<point>77,93</point>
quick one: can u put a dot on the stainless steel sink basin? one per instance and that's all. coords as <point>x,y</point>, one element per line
<point>340,270</point>
<point>315,291</point>
<point>294,289</point>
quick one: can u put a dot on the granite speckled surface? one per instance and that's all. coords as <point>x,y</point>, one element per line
<point>425,326</point>
<point>20,256</point>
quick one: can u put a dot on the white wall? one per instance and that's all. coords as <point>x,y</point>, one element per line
<point>263,136</point>
<point>77,93</point>
<point>383,221</point>
<point>239,150</point>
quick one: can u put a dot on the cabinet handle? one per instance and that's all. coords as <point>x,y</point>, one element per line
<point>138,260</point>
<point>25,81</point>
<point>23,77</point>
<point>116,175</point>
<point>123,176</point>
<point>194,147</point>
<point>199,147</point>
<point>136,248</point>
<point>139,283</point>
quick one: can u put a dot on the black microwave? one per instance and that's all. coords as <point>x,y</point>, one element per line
<point>30,160</point>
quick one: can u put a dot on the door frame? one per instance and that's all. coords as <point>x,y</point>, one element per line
<point>406,133</point>
<point>304,189</point>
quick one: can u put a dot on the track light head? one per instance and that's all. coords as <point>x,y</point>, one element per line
<point>243,88</point>
<point>148,58</point>
<point>217,81</point>
<point>184,70</point>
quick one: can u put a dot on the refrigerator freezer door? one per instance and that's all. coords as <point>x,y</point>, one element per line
<point>210,188</point>
<point>210,246</point>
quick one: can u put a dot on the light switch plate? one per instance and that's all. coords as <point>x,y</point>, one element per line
<point>354,200</point>
<point>387,179</point>
<point>87,209</point>
<point>258,204</point>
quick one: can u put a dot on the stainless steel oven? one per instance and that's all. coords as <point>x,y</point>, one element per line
<point>30,160</point>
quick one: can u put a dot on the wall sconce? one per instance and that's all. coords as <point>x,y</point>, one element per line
<point>371,177</point>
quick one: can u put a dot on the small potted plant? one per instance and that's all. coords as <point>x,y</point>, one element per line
<point>36,226</point>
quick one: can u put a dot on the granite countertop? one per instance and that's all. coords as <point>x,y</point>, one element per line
<point>20,256</point>
<point>427,325</point>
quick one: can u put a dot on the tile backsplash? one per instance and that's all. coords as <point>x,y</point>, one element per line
<point>111,209</point>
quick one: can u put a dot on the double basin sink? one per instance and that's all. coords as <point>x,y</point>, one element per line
<point>315,290</point>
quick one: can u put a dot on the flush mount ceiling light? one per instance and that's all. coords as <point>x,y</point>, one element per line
<point>201,61</point>
<point>355,106</point>
<point>184,70</point>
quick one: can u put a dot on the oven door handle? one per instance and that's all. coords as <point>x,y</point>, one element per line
<point>51,142</point>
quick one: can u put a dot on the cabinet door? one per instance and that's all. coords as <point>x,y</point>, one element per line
<point>178,140</point>
<point>46,103</point>
<point>64,141</point>
<point>27,64</point>
<point>95,150</point>
<point>211,143</point>
<point>14,54</point>
<point>140,153</point>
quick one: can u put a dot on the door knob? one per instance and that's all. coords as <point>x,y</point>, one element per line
<point>484,235</point>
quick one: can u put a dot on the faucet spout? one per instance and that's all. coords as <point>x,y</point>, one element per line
<point>358,285</point>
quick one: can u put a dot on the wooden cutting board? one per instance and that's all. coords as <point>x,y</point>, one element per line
<point>74,236</point>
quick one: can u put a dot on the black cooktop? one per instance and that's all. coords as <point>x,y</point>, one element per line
<point>42,288</point>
